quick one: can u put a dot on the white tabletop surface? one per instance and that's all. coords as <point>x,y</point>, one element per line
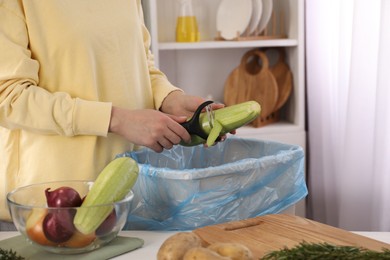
<point>154,239</point>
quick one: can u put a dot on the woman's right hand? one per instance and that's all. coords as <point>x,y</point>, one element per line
<point>148,127</point>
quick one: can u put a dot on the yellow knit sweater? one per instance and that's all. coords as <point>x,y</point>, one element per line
<point>63,64</point>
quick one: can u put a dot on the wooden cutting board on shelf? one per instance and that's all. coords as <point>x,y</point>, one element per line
<point>283,76</point>
<point>280,71</point>
<point>273,232</point>
<point>259,84</point>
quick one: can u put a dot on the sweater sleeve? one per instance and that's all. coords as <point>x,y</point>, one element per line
<point>26,105</point>
<point>161,86</point>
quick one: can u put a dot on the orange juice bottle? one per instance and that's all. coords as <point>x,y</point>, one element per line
<point>186,24</point>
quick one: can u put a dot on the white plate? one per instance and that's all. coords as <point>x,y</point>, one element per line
<point>233,17</point>
<point>257,9</point>
<point>266,15</point>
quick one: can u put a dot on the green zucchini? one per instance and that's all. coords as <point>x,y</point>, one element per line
<point>226,120</point>
<point>112,184</point>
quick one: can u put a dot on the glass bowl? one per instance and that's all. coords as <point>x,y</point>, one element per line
<point>56,233</point>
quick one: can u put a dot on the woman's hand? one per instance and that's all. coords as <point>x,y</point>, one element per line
<point>148,127</point>
<point>181,104</point>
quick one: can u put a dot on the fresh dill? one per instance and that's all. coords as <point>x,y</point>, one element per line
<point>9,255</point>
<point>325,251</point>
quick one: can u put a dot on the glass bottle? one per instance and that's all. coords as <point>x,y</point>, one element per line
<point>186,24</point>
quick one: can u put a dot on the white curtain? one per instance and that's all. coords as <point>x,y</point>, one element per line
<point>348,101</point>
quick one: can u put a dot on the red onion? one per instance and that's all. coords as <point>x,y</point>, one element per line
<point>63,197</point>
<point>58,225</point>
<point>107,225</point>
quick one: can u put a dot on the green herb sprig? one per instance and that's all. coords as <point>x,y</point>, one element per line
<point>325,251</point>
<point>9,255</point>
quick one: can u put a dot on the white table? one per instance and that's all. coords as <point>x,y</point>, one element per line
<point>154,239</point>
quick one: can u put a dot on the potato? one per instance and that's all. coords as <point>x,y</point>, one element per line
<point>235,251</point>
<point>202,253</point>
<point>177,245</point>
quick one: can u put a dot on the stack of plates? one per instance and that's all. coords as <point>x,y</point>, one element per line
<point>244,17</point>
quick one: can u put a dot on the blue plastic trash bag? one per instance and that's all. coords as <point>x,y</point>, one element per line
<point>189,187</point>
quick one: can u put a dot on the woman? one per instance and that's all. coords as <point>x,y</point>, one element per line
<point>77,87</point>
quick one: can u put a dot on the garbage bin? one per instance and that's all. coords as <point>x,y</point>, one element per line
<point>189,187</point>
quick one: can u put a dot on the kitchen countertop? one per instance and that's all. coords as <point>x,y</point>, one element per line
<point>154,239</point>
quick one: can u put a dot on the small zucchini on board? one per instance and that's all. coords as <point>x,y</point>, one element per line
<point>226,120</point>
<point>112,184</point>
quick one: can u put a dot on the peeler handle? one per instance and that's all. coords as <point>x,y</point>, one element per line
<point>192,125</point>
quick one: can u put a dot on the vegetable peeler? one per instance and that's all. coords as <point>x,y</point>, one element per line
<point>193,126</point>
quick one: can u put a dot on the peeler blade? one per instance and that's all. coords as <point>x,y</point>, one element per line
<point>210,115</point>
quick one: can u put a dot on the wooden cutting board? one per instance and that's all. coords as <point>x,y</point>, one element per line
<point>280,71</point>
<point>245,84</point>
<point>273,232</point>
<point>283,77</point>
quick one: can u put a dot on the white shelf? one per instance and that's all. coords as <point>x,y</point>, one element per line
<point>227,44</point>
